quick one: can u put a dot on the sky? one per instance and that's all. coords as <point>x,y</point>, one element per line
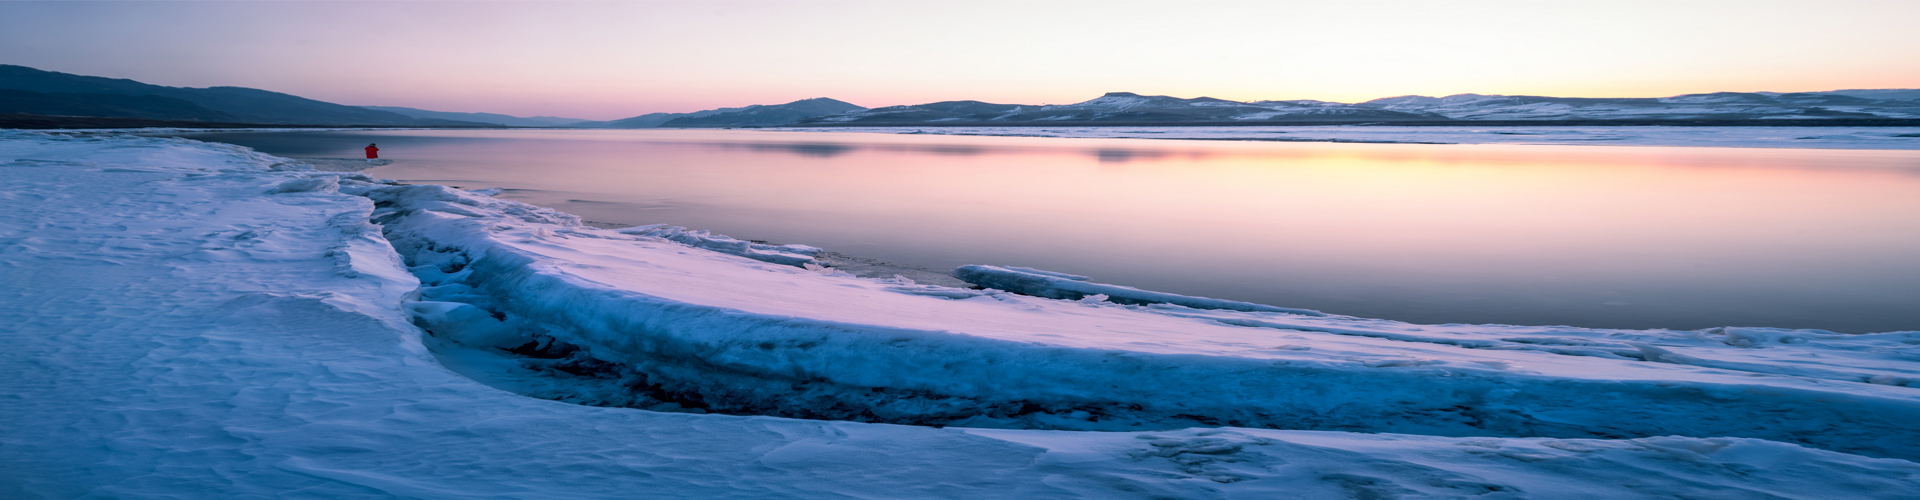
<point>609,60</point>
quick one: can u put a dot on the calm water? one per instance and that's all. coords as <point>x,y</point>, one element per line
<point>1629,237</point>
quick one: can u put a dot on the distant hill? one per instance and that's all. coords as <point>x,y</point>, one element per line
<point>1714,106</point>
<point>108,97</point>
<point>651,120</point>
<point>648,120</point>
<point>1894,94</point>
<point>1135,109</point>
<point>1118,107</point>
<point>758,115</point>
<point>767,116</point>
<point>493,118</point>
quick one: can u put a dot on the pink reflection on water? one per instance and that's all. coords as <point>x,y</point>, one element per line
<point>1594,236</point>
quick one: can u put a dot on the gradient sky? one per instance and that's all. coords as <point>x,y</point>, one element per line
<point>606,60</point>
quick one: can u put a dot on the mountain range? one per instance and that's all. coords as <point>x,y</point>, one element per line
<point>29,95</point>
<point>1714,106</point>
<point>1125,108</point>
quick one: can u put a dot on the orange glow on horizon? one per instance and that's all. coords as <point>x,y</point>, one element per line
<point>598,60</point>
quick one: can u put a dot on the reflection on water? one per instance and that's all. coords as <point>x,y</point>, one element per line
<point>802,149</point>
<point>1588,236</point>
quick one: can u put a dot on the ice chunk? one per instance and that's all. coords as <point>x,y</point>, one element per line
<point>326,183</point>
<point>465,324</point>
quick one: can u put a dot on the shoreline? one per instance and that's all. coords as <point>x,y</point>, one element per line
<point>864,267</point>
<point>341,164</point>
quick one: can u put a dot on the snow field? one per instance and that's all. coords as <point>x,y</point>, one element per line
<point>197,320</point>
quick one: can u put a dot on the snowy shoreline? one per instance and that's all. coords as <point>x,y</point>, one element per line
<point>363,334</point>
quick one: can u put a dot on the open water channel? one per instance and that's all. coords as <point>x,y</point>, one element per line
<point>1594,236</point>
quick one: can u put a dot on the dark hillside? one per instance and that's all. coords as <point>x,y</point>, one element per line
<point>108,105</point>
<point>236,103</point>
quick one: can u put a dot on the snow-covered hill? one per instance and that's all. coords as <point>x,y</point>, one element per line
<point>197,320</point>
<point>1126,108</point>
<point>1784,135</point>
<point>1130,108</point>
<point>1718,106</point>
<point>1117,107</point>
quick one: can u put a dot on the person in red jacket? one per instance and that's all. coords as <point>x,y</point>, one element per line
<point>372,153</point>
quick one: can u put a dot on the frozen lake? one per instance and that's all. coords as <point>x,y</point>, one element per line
<point>1594,236</point>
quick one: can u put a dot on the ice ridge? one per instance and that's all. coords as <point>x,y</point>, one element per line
<point>1027,281</point>
<point>791,255</point>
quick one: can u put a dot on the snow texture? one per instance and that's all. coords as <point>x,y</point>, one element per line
<point>198,320</point>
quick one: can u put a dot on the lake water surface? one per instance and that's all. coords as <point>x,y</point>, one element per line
<point>1619,237</point>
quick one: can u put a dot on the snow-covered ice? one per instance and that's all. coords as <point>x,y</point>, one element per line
<point>192,320</point>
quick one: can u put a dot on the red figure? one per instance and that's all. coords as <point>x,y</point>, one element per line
<point>372,152</point>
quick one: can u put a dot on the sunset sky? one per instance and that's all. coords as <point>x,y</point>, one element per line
<point>606,60</point>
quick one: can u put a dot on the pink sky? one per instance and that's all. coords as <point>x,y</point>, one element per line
<point>606,60</point>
